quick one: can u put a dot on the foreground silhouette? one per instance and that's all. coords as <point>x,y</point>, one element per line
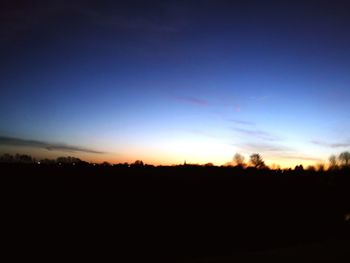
<point>179,213</point>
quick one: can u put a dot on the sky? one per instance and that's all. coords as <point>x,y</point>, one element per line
<point>173,81</point>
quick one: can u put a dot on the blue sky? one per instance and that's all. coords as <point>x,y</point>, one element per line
<point>170,81</point>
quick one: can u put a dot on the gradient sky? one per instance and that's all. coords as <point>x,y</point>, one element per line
<point>168,81</point>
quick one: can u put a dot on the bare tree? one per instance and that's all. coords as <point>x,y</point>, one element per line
<point>311,168</point>
<point>138,163</point>
<point>257,161</point>
<point>320,167</point>
<point>238,159</point>
<point>68,160</point>
<point>23,158</point>
<point>6,158</point>
<point>299,168</point>
<point>332,162</point>
<point>344,158</point>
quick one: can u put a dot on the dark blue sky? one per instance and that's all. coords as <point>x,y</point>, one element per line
<point>167,81</point>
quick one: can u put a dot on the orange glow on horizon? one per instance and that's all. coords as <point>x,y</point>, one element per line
<point>217,155</point>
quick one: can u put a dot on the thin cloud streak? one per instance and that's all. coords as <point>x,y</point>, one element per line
<point>248,123</point>
<point>300,157</point>
<point>11,141</point>
<point>257,134</point>
<point>193,100</point>
<point>331,145</point>
<point>266,148</point>
<point>278,151</point>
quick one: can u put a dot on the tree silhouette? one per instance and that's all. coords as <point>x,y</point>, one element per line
<point>47,161</point>
<point>23,158</point>
<point>332,162</point>
<point>257,161</point>
<point>137,163</point>
<point>68,160</point>
<point>320,167</point>
<point>238,159</point>
<point>311,168</point>
<point>344,158</point>
<point>299,168</point>
<point>6,158</point>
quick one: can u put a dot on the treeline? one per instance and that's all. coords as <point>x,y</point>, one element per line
<point>27,159</point>
<point>335,162</point>
<point>256,161</point>
<point>184,211</point>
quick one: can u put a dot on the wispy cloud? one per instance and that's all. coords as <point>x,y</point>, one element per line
<point>257,134</point>
<point>241,122</point>
<point>331,145</point>
<point>193,100</point>
<point>11,141</point>
<point>263,147</point>
<point>299,157</point>
<point>276,151</point>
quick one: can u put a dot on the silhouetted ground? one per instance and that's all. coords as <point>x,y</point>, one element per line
<point>174,214</point>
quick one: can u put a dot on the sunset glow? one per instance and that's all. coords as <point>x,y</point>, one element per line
<point>195,83</point>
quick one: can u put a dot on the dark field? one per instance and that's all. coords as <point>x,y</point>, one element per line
<point>174,214</point>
